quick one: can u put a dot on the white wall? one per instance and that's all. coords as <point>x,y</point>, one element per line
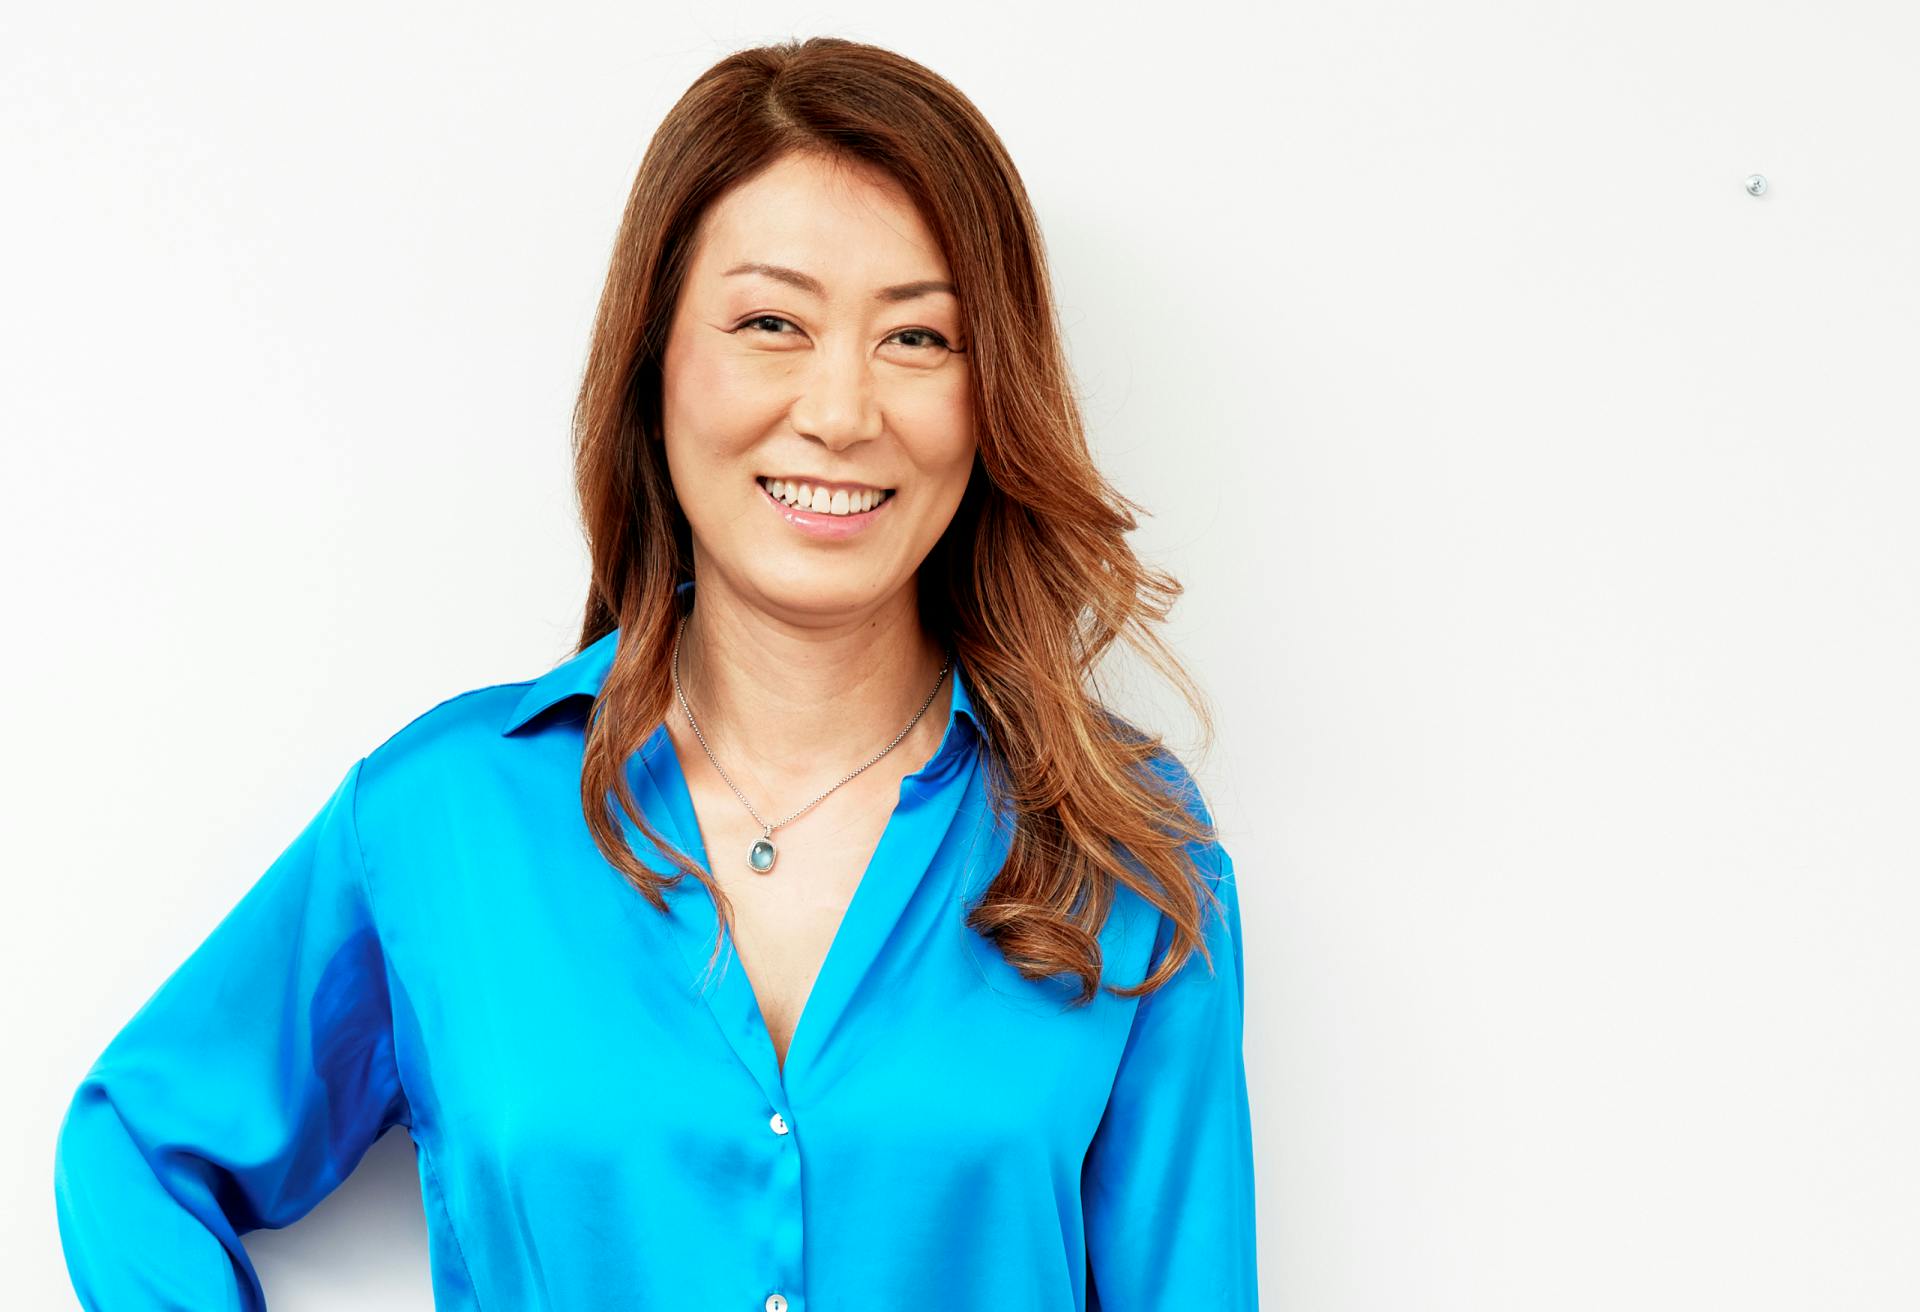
<point>1544,499</point>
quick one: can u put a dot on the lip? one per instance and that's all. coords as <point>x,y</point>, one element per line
<point>830,528</point>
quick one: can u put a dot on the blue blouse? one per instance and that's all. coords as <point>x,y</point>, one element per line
<point>443,947</point>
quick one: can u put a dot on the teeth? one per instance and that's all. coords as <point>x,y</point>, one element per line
<point>821,501</point>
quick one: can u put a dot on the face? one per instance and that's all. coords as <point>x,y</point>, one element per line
<point>818,348</point>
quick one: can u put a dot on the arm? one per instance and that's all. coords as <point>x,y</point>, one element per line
<point>241,1093</point>
<point>1168,1182</point>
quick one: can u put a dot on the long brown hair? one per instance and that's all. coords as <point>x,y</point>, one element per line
<point>1030,584</point>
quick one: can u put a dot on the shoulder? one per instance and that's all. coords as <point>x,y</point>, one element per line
<point>445,746</point>
<point>1176,784</point>
<point>1174,780</point>
<point>457,723</point>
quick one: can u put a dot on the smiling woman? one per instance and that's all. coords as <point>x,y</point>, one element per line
<point>833,713</point>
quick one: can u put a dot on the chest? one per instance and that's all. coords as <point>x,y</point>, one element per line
<point>785,920</point>
<point>549,1012</point>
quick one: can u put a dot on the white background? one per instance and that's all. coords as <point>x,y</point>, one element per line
<point>1546,504</point>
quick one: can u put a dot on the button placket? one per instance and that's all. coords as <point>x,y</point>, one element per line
<point>788,1235</point>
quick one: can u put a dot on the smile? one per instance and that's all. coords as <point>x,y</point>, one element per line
<point>839,520</point>
<point>825,498</point>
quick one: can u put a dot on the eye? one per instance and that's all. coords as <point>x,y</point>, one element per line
<point>925,332</point>
<point>936,340</point>
<point>764,318</point>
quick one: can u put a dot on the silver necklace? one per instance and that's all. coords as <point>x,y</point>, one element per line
<point>760,856</point>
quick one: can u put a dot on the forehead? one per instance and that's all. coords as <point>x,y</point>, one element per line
<point>844,221</point>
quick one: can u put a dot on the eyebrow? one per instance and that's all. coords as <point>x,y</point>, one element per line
<point>905,291</point>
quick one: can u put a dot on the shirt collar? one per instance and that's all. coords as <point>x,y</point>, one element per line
<point>582,674</point>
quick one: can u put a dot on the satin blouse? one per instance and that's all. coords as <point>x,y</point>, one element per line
<point>442,947</point>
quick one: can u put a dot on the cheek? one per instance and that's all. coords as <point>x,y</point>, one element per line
<point>941,419</point>
<point>707,414</point>
<point>694,366</point>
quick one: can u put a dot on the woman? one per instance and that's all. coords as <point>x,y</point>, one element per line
<point>852,568</point>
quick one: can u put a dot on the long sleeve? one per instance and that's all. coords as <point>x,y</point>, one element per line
<point>1168,1184</point>
<point>241,1093</point>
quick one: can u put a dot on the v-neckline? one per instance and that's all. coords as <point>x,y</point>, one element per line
<point>913,830</point>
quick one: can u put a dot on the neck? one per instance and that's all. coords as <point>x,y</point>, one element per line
<point>796,700</point>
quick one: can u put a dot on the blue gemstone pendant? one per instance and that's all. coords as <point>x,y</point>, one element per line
<point>760,856</point>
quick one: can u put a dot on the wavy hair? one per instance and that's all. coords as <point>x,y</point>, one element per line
<point>1029,585</point>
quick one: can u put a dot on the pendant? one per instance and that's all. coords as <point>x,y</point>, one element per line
<point>760,856</point>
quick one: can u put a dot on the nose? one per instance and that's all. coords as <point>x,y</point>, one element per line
<point>839,404</point>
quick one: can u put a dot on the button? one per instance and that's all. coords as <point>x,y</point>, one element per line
<point>775,1303</point>
<point>778,1122</point>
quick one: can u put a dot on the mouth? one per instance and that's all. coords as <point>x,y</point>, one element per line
<point>833,499</point>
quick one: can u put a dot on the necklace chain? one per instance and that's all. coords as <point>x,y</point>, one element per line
<point>760,857</point>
